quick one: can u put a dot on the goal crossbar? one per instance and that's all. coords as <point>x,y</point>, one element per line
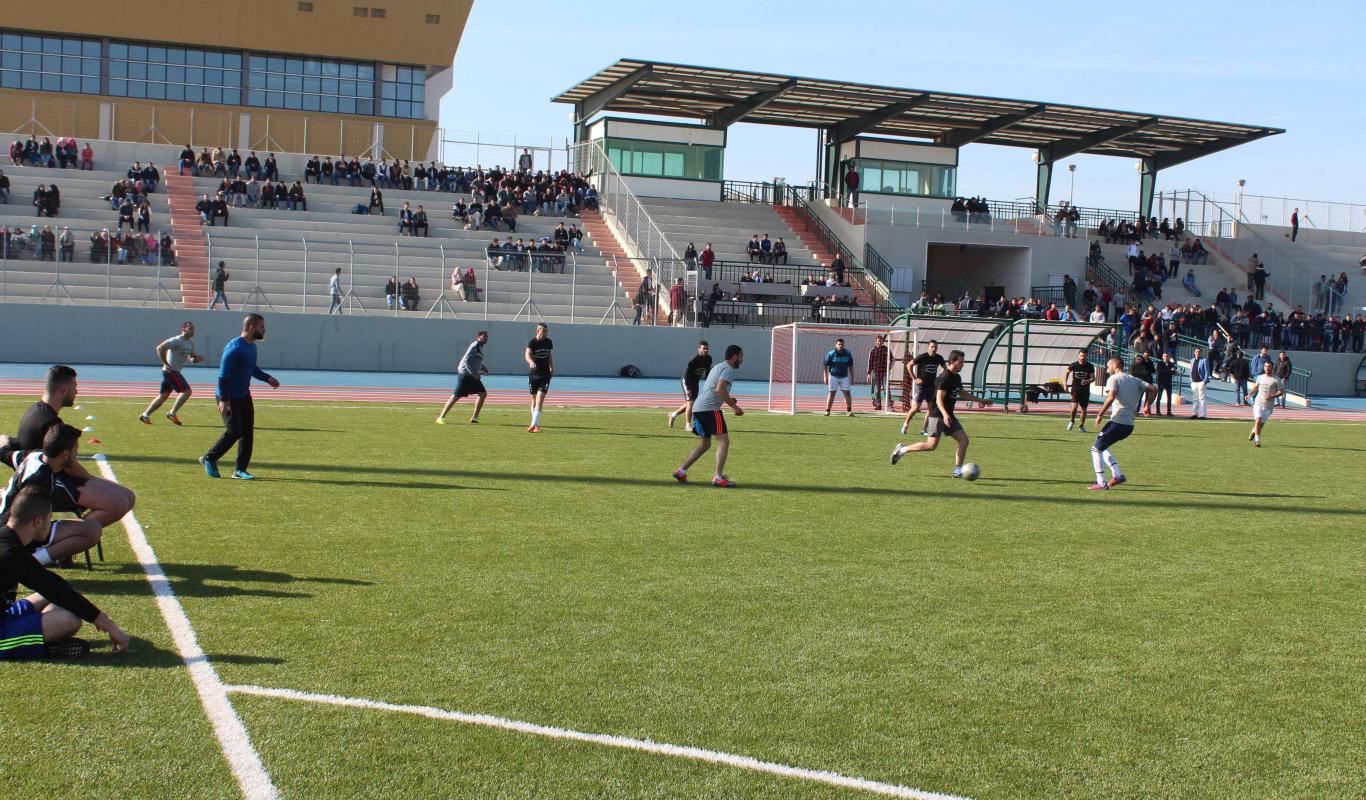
<point>797,360</point>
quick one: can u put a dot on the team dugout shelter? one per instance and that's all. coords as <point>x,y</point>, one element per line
<point>903,142</point>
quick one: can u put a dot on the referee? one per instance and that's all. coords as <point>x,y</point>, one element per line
<point>235,371</point>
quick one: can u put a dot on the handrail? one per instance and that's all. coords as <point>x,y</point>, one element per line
<point>1288,297</point>
<point>1107,275</point>
<point>831,240</point>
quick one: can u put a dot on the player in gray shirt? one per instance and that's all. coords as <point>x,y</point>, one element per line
<point>1126,394</point>
<point>467,379</point>
<point>174,354</point>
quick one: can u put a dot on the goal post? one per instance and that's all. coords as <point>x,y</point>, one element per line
<point>797,359</point>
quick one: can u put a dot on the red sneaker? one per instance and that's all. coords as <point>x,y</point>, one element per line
<point>173,418</point>
<point>1098,487</point>
<point>680,476</point>
<point>1117,480</point>
<point>723,482</point>
<point>533,429</point>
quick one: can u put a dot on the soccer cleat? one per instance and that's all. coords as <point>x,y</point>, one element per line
<point>680,476</point>
<point>898,452</point>
<point>70,647</point>
<point>672,417</point>
<point>903,430</point>
<point>722,482</point>
<point>1082,429</point>
<point>243,475</point>
<point>143,419</point>
<point>851,413</point>
<point>474,420</point>
<point>1069,425</point>
<point>1117,480</point>
<point>957,472</point>
<point>827,413</point>
<point>1252,436</point>
<point>533,429</point>
<point>1099,487</point>
<point>210,468</point>
<point>1257,443</point>
<point>173,418</point>
<point>440,420</point>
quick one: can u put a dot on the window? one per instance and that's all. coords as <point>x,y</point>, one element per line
<point>408,85</point>
<point>305,6</point>
<point>433,19</point>
<point>377,13</point>
<point>693,162</point>
<point>174,73</point>
<point>52,63</point>
<point>361,11</point>
<point>310,84</point>
<point>877,176</point>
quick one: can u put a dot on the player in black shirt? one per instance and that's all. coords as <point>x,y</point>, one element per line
<point>1080,375</point>
<point>924,369</point>
<point>40,469</point>
<point>41,624</point>
<point>106,500</point>
<point>1142,368</point>
<point>693,375</point>
<point>948,389</point>
<point>541,366</point>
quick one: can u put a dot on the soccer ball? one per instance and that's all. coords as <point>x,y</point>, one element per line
<point>971,471</point>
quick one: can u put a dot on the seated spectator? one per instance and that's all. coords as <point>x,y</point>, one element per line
<point>470,287</point>
<point>509,214</point>
<point>126,214</point>
<point>494,254</point>
<point>405,219</point>
<point>754,249</point>
<point>168,257</point>
<point>48,244</point>
<point>220,209</point>
<point>474,215</point>
<point>4,188</point>
<point>376,200</point>
<point>312,169</point>
<point>780,252</point>
<point>99,246</point>
<point>204,164</point>
<point>252,165</point>
<point>145,217</point>
<point>297,201</point>
<point>409,297</point>
<point>267,194</point>
<point>253,193</point>
<point>281,195</point>
<point>766,250</point>
<point>391,291</point>
<point>87,157</point>
<point>219,161</point>
<point>234,163</point>
<point>460,211</point>
<point>576,239</point>
<point>493,215</point>
<point>326,173</point>
<point>1189,282</point>
<point>271,168</point>
<point>420,222</point>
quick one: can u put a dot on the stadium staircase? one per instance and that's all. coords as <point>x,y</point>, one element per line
<point>191,247</point>
<point>627,276</point>
<point>800,224</point>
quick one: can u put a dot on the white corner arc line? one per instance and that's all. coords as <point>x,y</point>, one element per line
<point>243,759</point>
<point>605,740</point>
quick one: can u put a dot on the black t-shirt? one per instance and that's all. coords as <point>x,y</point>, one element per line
<point>39,417</point>
<point>1083,375</point>
<point>540,355</point>
<point>696,371</point>
<point>948,382</point>
<point>926,366</point>
<point>1142,369</point>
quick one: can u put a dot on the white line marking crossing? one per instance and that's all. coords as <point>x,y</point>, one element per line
<point>605,740</point>
<point>242,757</point>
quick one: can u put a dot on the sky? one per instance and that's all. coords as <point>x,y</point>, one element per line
<point>1295,66</point>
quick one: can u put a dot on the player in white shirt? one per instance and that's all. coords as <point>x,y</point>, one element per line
<point>708,421</point>
<point>334,289</point>
<point>173,354</point>
<point>1126,394</point>
<point>1264,393</point>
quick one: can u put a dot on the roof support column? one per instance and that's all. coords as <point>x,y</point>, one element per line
<point>1147,180</point>
<point>1043,183</point>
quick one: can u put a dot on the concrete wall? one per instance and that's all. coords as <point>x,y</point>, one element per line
<point>89,335</point>
<point>978,266</point>
<point>673,189</point>
<point>1333,373</point>
<point>907,246</point>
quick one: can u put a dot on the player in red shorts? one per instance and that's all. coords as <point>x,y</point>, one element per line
<point>173,355</point>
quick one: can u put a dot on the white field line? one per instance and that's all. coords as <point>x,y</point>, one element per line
<point>605,740</point>
<point>242,757</point>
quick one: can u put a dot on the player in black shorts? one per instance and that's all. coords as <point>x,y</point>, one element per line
<point>541,366</point>
<point>1080,375</point>
<point>924,369</point>
<point>693,375</point>
<point>948,389</point>
<point>107,501</point>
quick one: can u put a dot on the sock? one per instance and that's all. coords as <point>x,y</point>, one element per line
<point>42,556</point>
<point>536,417</point>
<point>1112,464</point>
<point>1097,463</point>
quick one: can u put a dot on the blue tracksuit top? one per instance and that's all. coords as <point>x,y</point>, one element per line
<point>237,368</point>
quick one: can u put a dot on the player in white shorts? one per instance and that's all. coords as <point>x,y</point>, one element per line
<point>1264,393</point>
<point>838,367</point>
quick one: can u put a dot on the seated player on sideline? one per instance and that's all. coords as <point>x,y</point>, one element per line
<point>693,374</point>
<point>107,501</point>
<point>708,419</point>
<point>948,389</point>
<point>1080,375</point>
<point>173,354</point>
<point>838,367</point>
<point>40,469</point>
<point>467,380</point>
<point>1127,394</point>
<point>541,366</point>
<point>42,624</point>
<point>923,370</point>
<point>1264,393</point>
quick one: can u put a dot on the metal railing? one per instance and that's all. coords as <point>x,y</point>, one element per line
<point>877,284</point>
<point>117,267</point>
<point>1270,210</point>
<point>1100,272</point>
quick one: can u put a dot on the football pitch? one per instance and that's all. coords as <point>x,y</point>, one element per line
<point>471,611</point>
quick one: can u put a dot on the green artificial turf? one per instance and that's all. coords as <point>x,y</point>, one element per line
<point>1195,633</point>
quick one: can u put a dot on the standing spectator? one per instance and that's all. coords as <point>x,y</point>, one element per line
<point>67,243</point>
<point>4,188</point>
<point>334,289</point>
<point>1239,371</point>
<point>642,298</point>
<point>678,299</point>
<point>220,285</point>
<point>1200,375</point>
<point>1294,224</point>
<point>1283,369</point>
<point>376,200</point>
<point>236,370</point>
<point>145,217</point>
<point>1259,276</point>
<point>879,361</point>
<point>851,181</point>
<point>1166,375</point>
<point>837,269</point>
<point>1069,290</point>
<point>708,258</point>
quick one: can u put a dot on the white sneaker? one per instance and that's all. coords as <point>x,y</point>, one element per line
<point>897,452</point>
<point>1082,429</point>
<point>903,430</point>
<point>827,413</point>
<point>1069,425</point>
<point>671,419</point>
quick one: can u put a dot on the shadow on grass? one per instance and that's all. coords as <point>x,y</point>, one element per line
<point>1130,487</point>
<point>380,484</point>
<point>202,580</point>
<point>1082,497</point>
<point>612,432</point>
<point>146,655</point>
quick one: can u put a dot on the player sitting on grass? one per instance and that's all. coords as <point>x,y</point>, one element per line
<point>948,389</point>
<point>709,421</point>
<point>44,623</point>
<point>40,469</point>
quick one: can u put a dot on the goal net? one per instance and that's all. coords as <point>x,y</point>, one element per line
<point>797,363</point>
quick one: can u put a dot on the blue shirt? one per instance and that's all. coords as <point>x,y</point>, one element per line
<point>839,363</point>
<point>237,368</point>
<point>1199,370</point>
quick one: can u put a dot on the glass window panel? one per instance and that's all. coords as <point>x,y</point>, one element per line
<point>9,79</point>
<point>33,44</point>
<point>348,70</point>
<point>294,83</point>
<point>31,80</point>
<point>331,69</point>
<point>194,74</point>
<point>312,66</point>
<point>137,69</point>
<point>417,110</point>
<point>329,102</point>
<point>156,90</point>
<point>330,86</point>
<point>213,94</point>
<point>194,57</point>
<point>137,52</point>
<point>274,80</point>
<point>389,91</point>
<point>388,72</point>
<point>213,58</point>
<point>347,105</point>
<point>232,60</point>
<point>348,89</point>
<point>33,61</point>
<point>258,63</point>
<point>213,77</point>
<point>90,49</point>
<point>366,72</point>
<point>294,101</point>
<point>118,69</point>
<point>313,85</point>
<point>365,88</point>
<point>156,55</point>
<point>90,85</point>
<point>71,66</point>
<point>405,110</point>
<point>405,92</point>
<point>51,82</point>
<point>256,97</point>
<point>52,45</point>
<point>673,165</point>
<point>90,66</point>
<point>256,80</point>
<point>312,102</point>
<point>232,97</point>
<point>11,42</point>
<point>176,74</point>
<point>195,94</point>
<point>10,59</point>
<point>386,108</point>
<point>294,66</point>
<point>275,99</point>
<point>275,64</point>
<point>71,47</point>
<point>71,83</point>
<point>175,91</point>
<point>118,88</point>
<point>365,106</point>
<point>52,63</point>
<point>117,50</point>
<point>156,72</point>
<point>137,88</point>
<point>175,55</point>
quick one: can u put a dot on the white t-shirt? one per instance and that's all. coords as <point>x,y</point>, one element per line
<point>1128,392</point>
<point>335,285</point>
<point>707,398</point>
<point>1267,385</point>
<point>178,351</point>
<point>1097,316</point>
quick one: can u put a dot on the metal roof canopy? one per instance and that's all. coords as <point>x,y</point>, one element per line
<point>723,97</point>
